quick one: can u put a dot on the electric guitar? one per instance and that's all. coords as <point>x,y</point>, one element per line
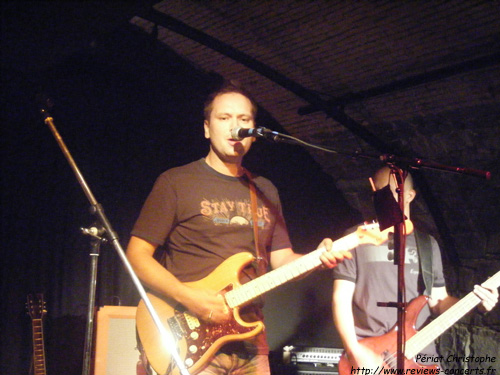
<point>385,347</point>
<point>36,310</point>
<point>198,340</point>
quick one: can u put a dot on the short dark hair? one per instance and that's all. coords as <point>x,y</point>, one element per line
<point>228,87</point>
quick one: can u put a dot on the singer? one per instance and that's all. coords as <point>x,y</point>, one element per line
<point>201,213</point>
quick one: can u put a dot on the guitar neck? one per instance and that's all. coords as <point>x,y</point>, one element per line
<point>444,321</point>
<point>285,273</point>
<point>38,348</point>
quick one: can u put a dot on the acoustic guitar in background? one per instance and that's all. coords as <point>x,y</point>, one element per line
<point>36,310</point>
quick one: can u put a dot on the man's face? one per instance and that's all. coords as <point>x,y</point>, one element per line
<point>385,178</point>
<point>229,111</point>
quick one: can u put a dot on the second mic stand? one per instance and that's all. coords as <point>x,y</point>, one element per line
<point>400,247</point>
<point>392,218</point>
<point>399,225</point>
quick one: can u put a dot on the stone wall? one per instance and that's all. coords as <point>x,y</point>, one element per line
<point>476,335</point>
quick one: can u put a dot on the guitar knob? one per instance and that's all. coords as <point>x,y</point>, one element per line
<point>189,362</point>
<point>194,335</point>
<point>193,349</point>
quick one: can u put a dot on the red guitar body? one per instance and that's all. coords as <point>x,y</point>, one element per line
<point>385,346</point>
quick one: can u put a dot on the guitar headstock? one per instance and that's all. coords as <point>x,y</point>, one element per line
<point>36,306</point>
<point>371,234</point>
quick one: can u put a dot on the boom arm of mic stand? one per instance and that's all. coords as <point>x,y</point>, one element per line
<point>416,163</point>
<point>113,239</point>
<point>274,136</point>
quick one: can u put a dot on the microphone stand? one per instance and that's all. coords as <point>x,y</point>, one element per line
<point>97,209</point>
<point>95,244</point>
<point>394,162</point>
<point>398,223</point>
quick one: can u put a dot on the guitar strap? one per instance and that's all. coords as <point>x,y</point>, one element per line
<point>424,248</point>
<point>261,258</point>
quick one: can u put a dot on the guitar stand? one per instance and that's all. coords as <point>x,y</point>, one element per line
<point>106,228</point>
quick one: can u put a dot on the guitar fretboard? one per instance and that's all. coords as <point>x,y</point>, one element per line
<point>283,274</point>
<point>38,348</point>
<point>444,321</point>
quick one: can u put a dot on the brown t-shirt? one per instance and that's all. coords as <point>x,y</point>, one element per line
<point>202,217</point>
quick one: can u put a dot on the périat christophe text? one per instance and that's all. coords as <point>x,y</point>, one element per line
<point>489,366</point>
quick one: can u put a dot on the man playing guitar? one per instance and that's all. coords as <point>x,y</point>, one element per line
<point>202,214</point>
<point>371,277</point>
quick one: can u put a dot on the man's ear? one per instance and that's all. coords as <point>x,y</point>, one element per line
<point>206,129</point>
<point>410,195</point>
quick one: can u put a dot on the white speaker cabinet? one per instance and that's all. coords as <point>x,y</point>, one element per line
<point>116,350</point>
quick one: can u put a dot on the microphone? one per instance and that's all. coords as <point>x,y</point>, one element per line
<point>239,133</point>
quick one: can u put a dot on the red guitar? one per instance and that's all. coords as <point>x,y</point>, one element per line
<point>384,347</point>
<point>198,340</point>
<point>36,310</point>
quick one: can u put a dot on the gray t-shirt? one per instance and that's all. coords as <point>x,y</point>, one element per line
<point>373,271</point>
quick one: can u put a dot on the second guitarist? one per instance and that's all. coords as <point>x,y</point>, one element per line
<point>371,277</point>
<point>202,214</point>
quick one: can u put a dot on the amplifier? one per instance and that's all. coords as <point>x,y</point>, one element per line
<point>309,354</point>
<point>312,370</point>
<point>308,360</point>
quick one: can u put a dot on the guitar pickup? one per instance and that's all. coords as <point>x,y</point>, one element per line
<point>191,320</point>
<point>175,328</point>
